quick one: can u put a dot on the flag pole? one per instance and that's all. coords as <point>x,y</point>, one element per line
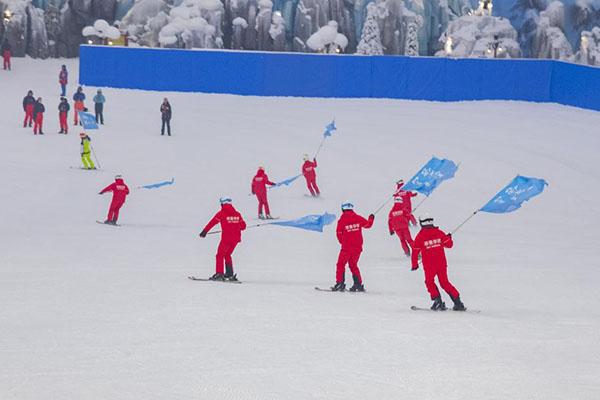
<point>384,204</point>
<point>464,222</point>
<point>248,227</point>
<point>320,147</point>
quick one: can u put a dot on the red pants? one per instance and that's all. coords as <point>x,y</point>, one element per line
<point>311,183</point>
<point>224,252</point>
<point>6,61</point>
<point>262,202</point>
<point>442,274</point>
<point>62,117</point>
<point>37,124</point>
<point>113,211</point>
<point>28,115</point>
<point>350,258</point>
<point>405,239</point>
<point>78,106</point>
<point>412,219</point>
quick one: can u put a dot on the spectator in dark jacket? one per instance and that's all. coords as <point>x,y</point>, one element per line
<point>166,112</point>
<point>63,112</point>
<point>28,102</point>
<point>38,116</point>
<point>99,101</point>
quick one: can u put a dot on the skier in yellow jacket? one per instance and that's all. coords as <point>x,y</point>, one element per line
<point>85,151</point>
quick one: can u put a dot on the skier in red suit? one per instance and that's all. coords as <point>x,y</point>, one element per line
<point>28,103</point>
<point>430,243</point>
<point>308,170</point>
<point>349,234</point>
<point>398,219</point>
<point>407,200</point>
<point>120,192</point>
<point>232,225</point>
<point>259,188</point>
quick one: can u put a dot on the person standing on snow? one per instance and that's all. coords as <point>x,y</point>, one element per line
<point>120,192</point>
<point>63,79</point>
<point>398,219</point>
<point>63,113</point>
<point>308,170</point>
<point>86,149</point>
<point>28,103</point>
<point>166,113</point>
<point>232,225</point>
<point>99,101</point>
<point>259,188</point>
<point>430,243</point>
<point>406,199</point>
<point>78,98</point>
<point>38,116</point>
<point>349,234</point>
<point>6,54</point>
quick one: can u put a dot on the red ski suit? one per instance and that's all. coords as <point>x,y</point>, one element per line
<point>349,234</point>
<point>308,170</point>
<point>406,200</point>
<point>398,219</point>
<point>232,225</point>
<point>259,188</point>
<point>120,192</point>
<point>430,242</point>
<point>6,58</point>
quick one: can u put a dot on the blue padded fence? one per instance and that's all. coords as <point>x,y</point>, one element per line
<point>345,76</point>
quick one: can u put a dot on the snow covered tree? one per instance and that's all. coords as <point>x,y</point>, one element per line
<point>411,46</point>
<point>370,40</point>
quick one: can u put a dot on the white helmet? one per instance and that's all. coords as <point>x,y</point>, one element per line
<point>225,200</point>
<point>426,220</point>
<point>398,199</point>
<point>305,157</point>
<point>347,205</point>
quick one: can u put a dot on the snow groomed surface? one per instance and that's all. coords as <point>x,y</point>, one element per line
<point>343,76</point>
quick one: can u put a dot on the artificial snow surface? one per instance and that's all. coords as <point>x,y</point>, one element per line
<point>97,312</point>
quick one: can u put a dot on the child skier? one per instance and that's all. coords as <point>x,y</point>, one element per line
<point>28,103</point>
<point>78,98</point>
<point>308,170</point>
<point>63,112</point>
<point>406,199</point>
<point>259,188</point>
<point>430,243</point>
<point>232,225</point>
<point>120,192</point>
<point>38,116</point>
<point>86,148</point>
<point>398,219</point>
<point>349,234</point>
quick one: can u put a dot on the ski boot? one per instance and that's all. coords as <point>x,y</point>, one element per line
<point>229,275</point>
<point>358,286</point>
<point>407,253</point>
<point>338,287</point>
<point>269,216</point>
<point>458,304</point>
<point>260,216</point>
<point>217,277</point>
<point>438,304</point>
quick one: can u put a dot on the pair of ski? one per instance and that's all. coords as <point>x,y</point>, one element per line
<point>104,223</point>
<point>193,278</point>
<point>319,289</point>
<point>415,308</point>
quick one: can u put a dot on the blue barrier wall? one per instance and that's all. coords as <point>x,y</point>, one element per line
<point>315,75</point>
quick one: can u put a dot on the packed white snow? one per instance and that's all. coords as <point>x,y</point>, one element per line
<point>98,312</point>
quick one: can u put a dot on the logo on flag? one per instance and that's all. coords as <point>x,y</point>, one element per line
<point>309,222</point>
<point>514,194</point>
<point>329,129</point>
<point>431,175</point>
<point>88,120</point>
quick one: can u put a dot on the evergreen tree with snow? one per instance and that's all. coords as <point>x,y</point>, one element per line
<point>370,40</point>
<point>412,41</point>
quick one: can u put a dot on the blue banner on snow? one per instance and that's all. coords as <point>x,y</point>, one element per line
<point>88,120</point>
<point>514,194</point>
<point>431,175</point>
<point>309,222</point>
<point>159,184</point>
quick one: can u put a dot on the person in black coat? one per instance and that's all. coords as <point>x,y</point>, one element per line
<point>63,113</point>
<point>38,116</point>
<point>166,113</point>
<point>28,103</point>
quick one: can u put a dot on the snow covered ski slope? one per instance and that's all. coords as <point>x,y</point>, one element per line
<point>91,312</point>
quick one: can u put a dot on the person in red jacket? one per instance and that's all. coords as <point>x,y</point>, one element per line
<point>28,103</point>
<point>232,225</point>
<point>398,219</point>
<point>120,192</point>
<point>259,188</point>
<point>308,170</point>
<point>6,54</point>
<point>407,200</point>
<point>349,234</point>
<point>430,243</point>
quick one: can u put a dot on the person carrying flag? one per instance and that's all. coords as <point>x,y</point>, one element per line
<point>398,220</point>
<point>259,188</point>
<point>430,244</point>
<point>63,112</point>
<point>349,234</point>
<point>86,148</point>
<point>232,225</point>
<point>406,199</point>
<point>28,103</point>
<point>120,191</point>
<point>308,170</point>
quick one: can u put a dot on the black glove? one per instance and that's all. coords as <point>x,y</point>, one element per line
<point>414,267</point>
<point>392,233</point>
<point>372,216</point>
<point>449,235</point>
<point>203,234</point>
<point>100,193</point>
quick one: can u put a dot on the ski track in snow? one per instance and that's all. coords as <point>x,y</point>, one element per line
<point>95,313</point>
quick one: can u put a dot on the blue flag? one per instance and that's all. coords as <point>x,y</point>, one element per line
<point>431,175</point>
<point>88,120</point>
<point>288,181</point>
<point>309,222</point>
<point>159,184</point>
<point>514,194</point>
<point>329,129</point>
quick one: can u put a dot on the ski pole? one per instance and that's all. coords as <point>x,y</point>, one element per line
<point>96,158</point>
<point>383,205</point>
<point>248,227</point>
